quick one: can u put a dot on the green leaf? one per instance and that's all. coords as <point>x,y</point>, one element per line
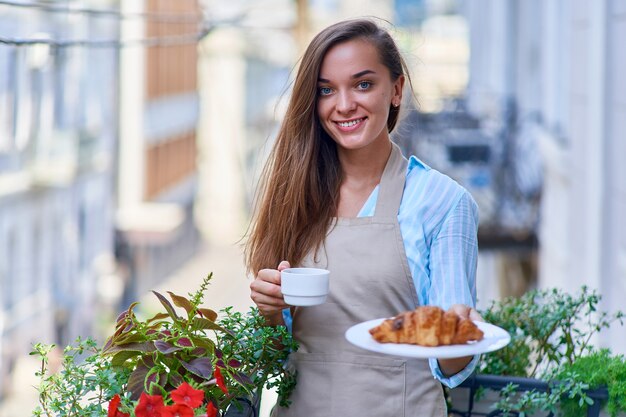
<point>204,324</point>
<point>130,338</point>
<point>152,382</point>
<point>145,347</point>
<point>203,342</point>
<point>158,316</point>
<point>121,357</point>
<point>174,378</point>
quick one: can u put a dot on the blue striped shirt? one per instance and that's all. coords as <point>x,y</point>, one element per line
<point>439,221</point>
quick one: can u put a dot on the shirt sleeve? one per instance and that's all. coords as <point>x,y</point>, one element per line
<point>456,379</point>
<point>288,319</point>
<point>453,260</point>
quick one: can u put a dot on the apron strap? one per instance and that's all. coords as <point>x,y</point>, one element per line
<point>391,184</point>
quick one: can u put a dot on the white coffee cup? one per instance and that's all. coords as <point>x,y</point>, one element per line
<point>304,286</point>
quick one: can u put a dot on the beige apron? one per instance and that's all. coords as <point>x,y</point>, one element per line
<point>369,278</point>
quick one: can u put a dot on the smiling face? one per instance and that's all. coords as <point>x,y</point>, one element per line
<point>355,92</point>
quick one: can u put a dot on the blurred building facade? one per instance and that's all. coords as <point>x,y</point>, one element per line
<point>159,112</point>
<point>553,71</point>
<point>58,130</point>
<point>98,115</point>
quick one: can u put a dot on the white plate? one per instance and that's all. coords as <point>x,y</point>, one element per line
<point>495,338</point>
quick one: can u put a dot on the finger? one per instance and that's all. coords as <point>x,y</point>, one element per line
<point>283,265</point>
<point>266,288</point>
<point>268,303</point>
<point>474,315</point>
<point>269,275</point>
<point>462,310</point>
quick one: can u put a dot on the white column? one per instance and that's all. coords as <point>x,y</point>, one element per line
<point>131,99</point>
<point>594,187</point>
<point>220,211</point>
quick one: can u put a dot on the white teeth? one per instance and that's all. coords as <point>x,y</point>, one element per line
<point>350,123</point>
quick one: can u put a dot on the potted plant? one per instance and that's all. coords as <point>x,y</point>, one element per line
<point>550,366</point>
<point>185,361</point>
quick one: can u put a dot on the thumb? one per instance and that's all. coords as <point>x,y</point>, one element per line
<point>283,265</point>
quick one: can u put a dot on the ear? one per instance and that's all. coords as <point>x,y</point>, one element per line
<point>398,86</point>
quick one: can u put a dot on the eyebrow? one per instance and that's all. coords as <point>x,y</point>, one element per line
<point>357,75</point>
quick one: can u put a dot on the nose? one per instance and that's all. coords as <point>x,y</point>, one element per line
<point>345,102</point>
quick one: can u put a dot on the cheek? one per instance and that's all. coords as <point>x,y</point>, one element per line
<point>323,110</point>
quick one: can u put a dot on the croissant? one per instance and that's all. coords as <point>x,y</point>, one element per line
<point>427,326</point>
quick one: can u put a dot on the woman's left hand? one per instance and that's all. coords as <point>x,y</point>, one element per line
<point>452,366</point>
<point>466,312</point>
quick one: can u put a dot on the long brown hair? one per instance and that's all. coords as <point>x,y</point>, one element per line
<point>299,190</point>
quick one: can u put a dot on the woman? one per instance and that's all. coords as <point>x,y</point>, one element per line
<point>395,234</point>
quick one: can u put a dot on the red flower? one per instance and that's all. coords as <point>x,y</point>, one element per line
<point>149,405</point>
<point>176,410</point>
<point>211,411</point>
<point>220,380</point>
<point>187,395</point>
<point>113,411</point>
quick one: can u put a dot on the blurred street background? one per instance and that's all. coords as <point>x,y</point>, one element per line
<point>132,134</point>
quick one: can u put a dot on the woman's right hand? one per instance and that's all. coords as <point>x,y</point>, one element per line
<point>266,293</point>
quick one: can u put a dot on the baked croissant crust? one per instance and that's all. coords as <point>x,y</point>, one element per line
<point>427,326</point>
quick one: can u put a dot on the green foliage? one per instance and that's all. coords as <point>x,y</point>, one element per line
<point>158,354</point>
<point>551,333</point>
<point>86,381</point>
<point>262,350</point>
<point>547,327</point>
<point>598,369</point>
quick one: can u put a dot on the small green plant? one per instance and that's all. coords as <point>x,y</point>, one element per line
<point>86,381</point>
<point>598,369</point>
<point>260,349</point>
<point>547,327</point>
<point>228,359</point>
<point>551,333</point>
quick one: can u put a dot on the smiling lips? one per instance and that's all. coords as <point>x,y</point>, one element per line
<point>350,125</point>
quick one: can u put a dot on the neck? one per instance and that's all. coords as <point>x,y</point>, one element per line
<point>365,165</point>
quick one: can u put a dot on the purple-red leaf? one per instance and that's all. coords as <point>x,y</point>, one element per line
<point>168,306</point>
<point>184,342</point>
<point>165,347</point>
<point>199,366</point>
<point>242,378</point>
<point>136,381</point>
<point>199,352</point>
<point>153,379</point>
<point>234,363</point>
<point>122,316</point>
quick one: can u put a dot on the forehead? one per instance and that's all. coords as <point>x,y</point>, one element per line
<point>351,57</point>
